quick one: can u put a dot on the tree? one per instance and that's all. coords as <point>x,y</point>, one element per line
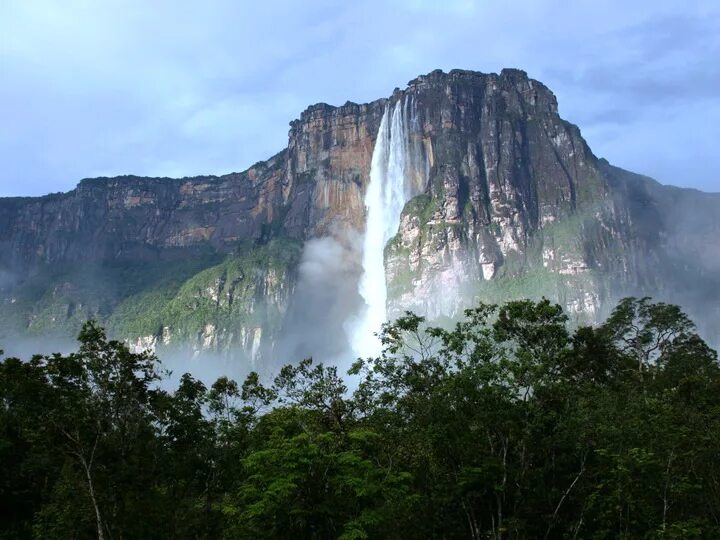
<point>97,412</point>
<point>509,424</point>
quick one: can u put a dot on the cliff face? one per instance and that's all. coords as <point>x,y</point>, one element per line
<point>140,218</point>
<point>493,141</point>
<point>513,204</point>
<point>506,177</point>
<point>329,155</point>
<point>314,185</point>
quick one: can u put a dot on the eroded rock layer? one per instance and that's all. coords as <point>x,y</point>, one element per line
<point>515,204</point>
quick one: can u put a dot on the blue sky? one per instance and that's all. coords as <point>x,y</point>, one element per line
<point>177,88</point>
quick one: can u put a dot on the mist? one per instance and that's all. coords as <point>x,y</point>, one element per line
<point>26,347</point>
<point>326,296</point>
<point>7,279</point>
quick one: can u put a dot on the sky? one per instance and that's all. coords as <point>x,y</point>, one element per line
<point>181,88</point>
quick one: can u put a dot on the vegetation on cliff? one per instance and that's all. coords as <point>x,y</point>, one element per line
<point>236,293</point>
<point>509,425</point>
<point>247,288</point>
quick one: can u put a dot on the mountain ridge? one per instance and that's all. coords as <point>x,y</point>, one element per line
<point>511,190</point>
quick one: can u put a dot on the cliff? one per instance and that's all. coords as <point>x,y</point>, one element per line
<point>513,203</point>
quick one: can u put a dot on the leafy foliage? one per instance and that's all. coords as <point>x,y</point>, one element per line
<point>508,425</point>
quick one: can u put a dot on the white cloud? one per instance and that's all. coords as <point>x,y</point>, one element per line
<point>133,86</point>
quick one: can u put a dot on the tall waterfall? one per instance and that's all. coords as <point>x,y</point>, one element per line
<point>385,198</point>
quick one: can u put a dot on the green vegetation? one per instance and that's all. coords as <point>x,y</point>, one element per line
<point>423,206</point>
<point>58,299</point>
<point>507,425</point>
<point>402,282</point>
<point>566,233</point>
<point>535,282</point>
<point>229,294</point>
<point>138,299</point>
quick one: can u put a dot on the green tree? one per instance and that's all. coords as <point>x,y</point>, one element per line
<point>509,424</point>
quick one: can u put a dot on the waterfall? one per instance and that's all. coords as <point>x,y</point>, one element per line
<point>386,195</point>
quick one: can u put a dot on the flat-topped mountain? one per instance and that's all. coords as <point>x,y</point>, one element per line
<point>502,199</point>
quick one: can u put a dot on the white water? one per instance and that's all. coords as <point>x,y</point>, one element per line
<point>385,198</point>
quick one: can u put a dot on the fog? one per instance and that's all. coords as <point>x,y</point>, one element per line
<point>26,347</point>
<point>7,279</point>
<point>326,297</point>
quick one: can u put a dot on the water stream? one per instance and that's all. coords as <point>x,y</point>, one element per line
<point>386,195</point>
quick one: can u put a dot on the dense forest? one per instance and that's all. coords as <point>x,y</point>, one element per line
<point>511,424</point>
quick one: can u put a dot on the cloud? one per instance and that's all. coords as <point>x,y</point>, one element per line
<point>325,297</point>
<point>658,62</point>
<point>164,88</point>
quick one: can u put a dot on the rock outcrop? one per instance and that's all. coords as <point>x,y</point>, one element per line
<point>515,204</point>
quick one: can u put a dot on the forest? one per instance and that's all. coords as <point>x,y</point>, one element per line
<point>513,423</point>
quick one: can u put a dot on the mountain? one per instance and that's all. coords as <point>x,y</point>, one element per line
<point>502,198</point>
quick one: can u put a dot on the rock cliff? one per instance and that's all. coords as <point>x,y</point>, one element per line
<point>513,203</point>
